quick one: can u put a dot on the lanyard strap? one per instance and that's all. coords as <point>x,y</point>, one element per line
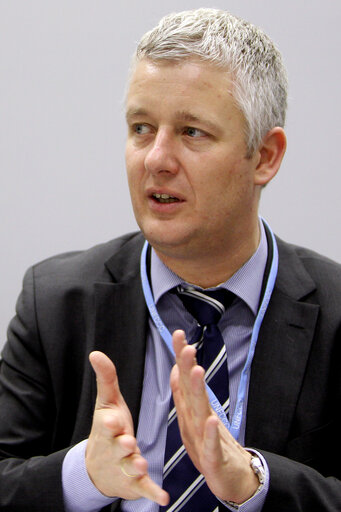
<point>236,422</point>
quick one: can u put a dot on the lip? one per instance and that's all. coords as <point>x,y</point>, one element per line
<point>159,207</point>
<point>151,191</point>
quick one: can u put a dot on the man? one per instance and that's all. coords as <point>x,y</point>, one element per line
<point>205,112</point>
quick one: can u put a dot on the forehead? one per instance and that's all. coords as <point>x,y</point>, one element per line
<point>166,73</point>
<point>190,86</point>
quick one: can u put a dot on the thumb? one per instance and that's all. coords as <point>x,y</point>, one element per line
<point>108,391</point>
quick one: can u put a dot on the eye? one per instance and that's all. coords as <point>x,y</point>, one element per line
<point>141,129</point>
<point>194,132</point>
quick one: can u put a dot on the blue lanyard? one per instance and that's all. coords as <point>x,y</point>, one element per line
<point>235,425</point>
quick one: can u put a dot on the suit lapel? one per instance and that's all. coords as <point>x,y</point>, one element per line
<point>121,322</point>
<point>281,355</point>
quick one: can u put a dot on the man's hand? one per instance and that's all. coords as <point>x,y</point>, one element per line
<point>113,459</point>
<point>215,453</point>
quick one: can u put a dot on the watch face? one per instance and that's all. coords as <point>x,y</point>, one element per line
<point>258,468</point>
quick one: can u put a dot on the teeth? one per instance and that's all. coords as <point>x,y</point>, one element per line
<point>165,198</point>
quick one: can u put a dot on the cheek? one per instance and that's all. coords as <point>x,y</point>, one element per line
<point>134,166</point>
<point>133,155</point>
<point>225,188</point>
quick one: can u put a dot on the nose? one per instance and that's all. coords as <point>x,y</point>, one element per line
<point>162,154</point>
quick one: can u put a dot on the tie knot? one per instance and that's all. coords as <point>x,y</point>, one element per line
<point>206,307</point>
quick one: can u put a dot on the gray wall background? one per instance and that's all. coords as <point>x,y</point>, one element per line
<point>63,65</point>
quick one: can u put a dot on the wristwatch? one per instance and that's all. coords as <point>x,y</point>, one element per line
<point>258,469</point>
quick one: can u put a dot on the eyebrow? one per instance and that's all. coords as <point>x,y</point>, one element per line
<point>135,112</point>
<point>188,117</point>
<point>179,115</point>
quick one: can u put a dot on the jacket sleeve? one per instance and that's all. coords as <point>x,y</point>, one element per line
<point>297,487</point>
<point>30,469</point>
<point>296,395</point>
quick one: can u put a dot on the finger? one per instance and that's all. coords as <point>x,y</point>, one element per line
<point>134,465</point>
<point>200,402</point>
<point>108,391</point>
<point>184,353</point>
<point>181,377</point>
<point>125,446</point>
<point>146,488</point>
<point>178,397</point>
<point>185,359</point>
<point>212,446</point>
<point>179,341</point>
<point>190,395</point>
<point>111,423</point>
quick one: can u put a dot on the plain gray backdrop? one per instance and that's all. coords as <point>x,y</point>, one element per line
<point>63,67</point>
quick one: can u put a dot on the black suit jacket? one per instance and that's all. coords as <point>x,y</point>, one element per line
<point>78,302</point>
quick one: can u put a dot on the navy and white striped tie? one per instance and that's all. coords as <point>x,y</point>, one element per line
<point>186,486</point>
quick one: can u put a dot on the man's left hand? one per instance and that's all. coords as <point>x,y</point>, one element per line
<point>224,463</point>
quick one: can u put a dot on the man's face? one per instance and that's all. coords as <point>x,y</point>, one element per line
<point>191,185</point>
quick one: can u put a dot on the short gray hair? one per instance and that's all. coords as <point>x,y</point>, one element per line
<point>259,79</point>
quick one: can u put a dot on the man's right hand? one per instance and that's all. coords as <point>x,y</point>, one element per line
<point>112,452</point>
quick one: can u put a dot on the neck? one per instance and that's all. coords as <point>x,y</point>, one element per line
<point>210,268</point>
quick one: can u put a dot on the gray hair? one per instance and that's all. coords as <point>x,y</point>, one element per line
<point>259,80</point>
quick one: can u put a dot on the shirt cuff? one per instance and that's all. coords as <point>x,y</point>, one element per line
<point>80,494</point>
<point>256,502</point>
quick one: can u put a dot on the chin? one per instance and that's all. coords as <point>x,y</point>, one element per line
<point>164,238</point>
<point>167,234</point>
<point>163,241</point>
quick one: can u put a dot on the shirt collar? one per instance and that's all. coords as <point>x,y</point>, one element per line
<point>246,283</point>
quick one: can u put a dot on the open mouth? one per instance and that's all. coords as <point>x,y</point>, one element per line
<point>165,198</point>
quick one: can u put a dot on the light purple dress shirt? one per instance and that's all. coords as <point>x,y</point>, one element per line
<point>236,327</point>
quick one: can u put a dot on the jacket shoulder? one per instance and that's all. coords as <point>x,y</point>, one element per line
<point>308,269</point>
<point>311,259</point>
<point>90,264</point>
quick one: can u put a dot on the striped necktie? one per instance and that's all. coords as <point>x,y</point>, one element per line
<point>186,486</point>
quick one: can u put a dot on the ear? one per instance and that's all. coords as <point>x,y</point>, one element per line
<point>270,154</point>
